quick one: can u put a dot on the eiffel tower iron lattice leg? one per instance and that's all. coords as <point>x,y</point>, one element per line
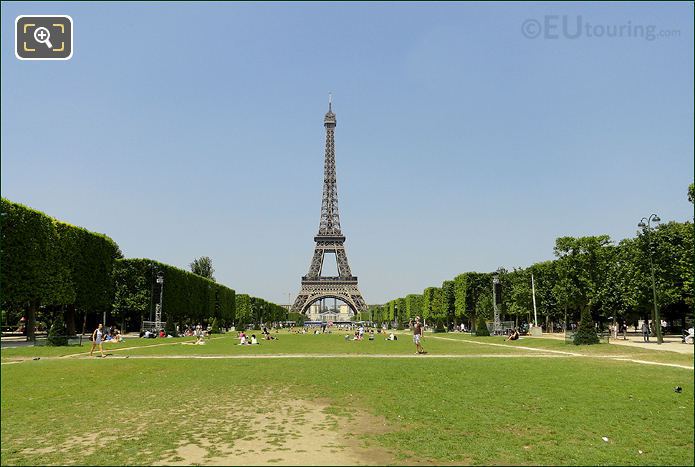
<point>329,240</point>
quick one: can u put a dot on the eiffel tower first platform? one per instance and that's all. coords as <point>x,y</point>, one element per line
<point>329,240</point>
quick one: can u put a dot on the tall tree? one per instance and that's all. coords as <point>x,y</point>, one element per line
<point>448,302</point>
<point>413,305</point>
<point>545,277</point>
<point>203,267</point>
<point>517,298</point>
<point>582,266</point>
<point>460,289</point>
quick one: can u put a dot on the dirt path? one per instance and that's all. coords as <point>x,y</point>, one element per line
<point>621,358</point>
<point>300,432</point>
<point>671,344</point>
<point>538,353</point>
<point>554,354</point>
<point>120,349</point>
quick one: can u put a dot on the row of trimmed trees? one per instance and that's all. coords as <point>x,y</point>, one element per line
<point>256,311</point>
<point>187,297</point>
<point>591,275</point>
<point>52,269</point>
<point>48,263</point>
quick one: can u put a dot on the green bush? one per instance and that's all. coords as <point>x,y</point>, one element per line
<point>481,327</point>
<point>170,327</point>
<point>586,333</point>
<point>57,335</point>
<point>439,325</point>
<point>214,327</point>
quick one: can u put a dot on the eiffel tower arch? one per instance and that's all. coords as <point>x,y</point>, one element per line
<point>329,240</point>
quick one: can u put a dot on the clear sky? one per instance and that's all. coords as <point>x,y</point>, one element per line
<point>184,130</point>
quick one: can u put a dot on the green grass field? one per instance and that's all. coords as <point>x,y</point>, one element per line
<point>369,402</point>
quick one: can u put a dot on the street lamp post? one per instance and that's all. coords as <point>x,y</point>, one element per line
<point>647,229</point>
<point>158,310</point>
<point>495,286</point>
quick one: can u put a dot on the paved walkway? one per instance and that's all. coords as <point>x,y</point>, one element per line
<point>556,354</point>
<point>671,343</point>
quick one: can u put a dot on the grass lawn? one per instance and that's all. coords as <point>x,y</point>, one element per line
<point>467,409</point>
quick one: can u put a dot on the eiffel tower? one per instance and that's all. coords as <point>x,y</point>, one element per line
<point>329,240</point>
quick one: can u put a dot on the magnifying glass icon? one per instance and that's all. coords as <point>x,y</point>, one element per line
<point>42,36</point>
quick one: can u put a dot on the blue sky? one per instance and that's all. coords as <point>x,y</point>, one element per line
<point>184,130</point>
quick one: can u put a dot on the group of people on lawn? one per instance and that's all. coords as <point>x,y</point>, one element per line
<point>245,340</point>
<point>114,335</point>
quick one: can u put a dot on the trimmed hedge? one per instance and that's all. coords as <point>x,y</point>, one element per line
<point>187,296</point>
<point>256,311</point>
<point>44,261</point>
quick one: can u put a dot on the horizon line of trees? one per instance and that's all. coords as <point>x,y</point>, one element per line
<point>591,277</point>
<point>50,269</point>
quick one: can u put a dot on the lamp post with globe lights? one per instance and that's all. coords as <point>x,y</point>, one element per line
<point>646,225</point>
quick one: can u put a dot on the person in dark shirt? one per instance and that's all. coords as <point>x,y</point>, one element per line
<point>514,335</point>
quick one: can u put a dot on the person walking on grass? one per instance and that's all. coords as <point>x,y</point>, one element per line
<point>417,335</point>
<point>97,339</point>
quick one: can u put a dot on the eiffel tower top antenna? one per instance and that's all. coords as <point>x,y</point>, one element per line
<point>330,220</point>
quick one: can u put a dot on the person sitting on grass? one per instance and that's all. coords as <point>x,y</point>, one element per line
<point>392,337</point>
<point>254,341</point>
<point>242,338</point>
<point>199,339</point>
<point>371,335</point>
<point>514,335</point>
<point>113,339</point>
